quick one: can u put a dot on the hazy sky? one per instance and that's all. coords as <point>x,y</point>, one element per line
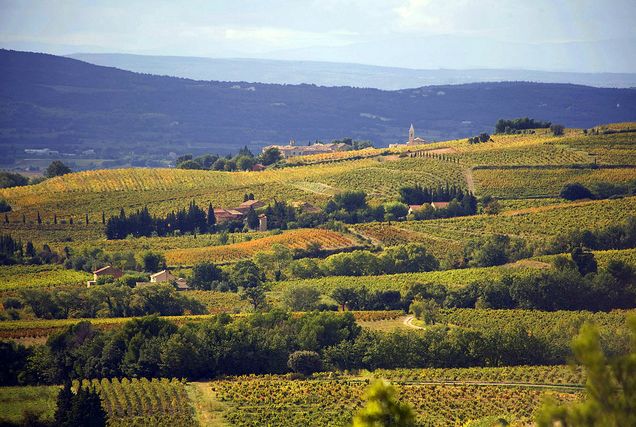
<point>270,28</point>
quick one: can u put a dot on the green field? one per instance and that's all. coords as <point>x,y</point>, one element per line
<point>37,400</point>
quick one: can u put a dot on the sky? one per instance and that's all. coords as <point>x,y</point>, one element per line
<point>307,29</point>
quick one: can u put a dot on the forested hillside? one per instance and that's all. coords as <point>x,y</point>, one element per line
<point>72,106</point>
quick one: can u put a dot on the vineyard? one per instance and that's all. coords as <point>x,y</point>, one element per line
<point>538,375</point>
<point>163,190</point>
<point>524,182</point>
<point>143,402</point>
<point>534,224</point>
<point>294,239</point>
<point>274,400</point>
<point>16,277</point>
<point>452,278</point>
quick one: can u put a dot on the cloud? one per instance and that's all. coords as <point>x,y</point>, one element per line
<point>415,14</point>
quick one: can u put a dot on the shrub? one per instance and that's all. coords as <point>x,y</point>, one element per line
<point>304,362</point>
<point>557,130</point>
<point>575,191</point>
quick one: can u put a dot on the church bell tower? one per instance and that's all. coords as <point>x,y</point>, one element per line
<point>411,135</point>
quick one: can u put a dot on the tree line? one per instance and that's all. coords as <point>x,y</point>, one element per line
<point>192,219</point>
<point>263,343</point>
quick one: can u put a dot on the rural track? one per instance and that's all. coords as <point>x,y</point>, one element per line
<point>470,181</point>
<point>408,321</point>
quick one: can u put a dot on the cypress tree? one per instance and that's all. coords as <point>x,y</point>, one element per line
<point>86,218</point>
<point>211,218</point>
<point>6,218</point>
<point>252,219</point>
<point>103,218</point>
<point>54,218</point>
<point>70,221</point>
<point>23,219</point>
<point>30,249</point>
<point>39,218</point>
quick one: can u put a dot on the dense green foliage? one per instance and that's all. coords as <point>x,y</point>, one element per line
<point>611,387</point>
<point>110,300</point>
<point>515,125</point>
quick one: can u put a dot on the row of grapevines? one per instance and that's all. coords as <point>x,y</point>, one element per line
<point>143,402</point>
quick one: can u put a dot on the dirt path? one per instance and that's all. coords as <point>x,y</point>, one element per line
<point>470,182</point>
<point>209,411</point>
<point>408,321</point>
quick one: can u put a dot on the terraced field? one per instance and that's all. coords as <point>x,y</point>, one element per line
<point>294,239</point>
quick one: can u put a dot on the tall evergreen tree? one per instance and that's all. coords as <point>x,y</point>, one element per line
<point>64,405</point>
<point>211,218</point>
<point>252,219</point>
<point>39,218</point>
<point>30,249</point>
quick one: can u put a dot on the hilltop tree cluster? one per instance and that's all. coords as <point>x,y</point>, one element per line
<point>482,137</point>
<point>519,125</point>
<point>242,161</point>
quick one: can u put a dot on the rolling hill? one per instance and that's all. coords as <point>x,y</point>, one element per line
<point>336,73</point>
<point>73,107</point>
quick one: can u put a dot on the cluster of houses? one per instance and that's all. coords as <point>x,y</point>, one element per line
<point>293,150</point>
<point>238,213</point>
<point>164,276</point>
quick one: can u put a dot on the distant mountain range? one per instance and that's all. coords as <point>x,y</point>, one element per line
<point>336,74</point>
<point>71,106</point>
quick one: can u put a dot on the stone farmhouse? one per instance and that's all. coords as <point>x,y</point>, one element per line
<point>109,270</point>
